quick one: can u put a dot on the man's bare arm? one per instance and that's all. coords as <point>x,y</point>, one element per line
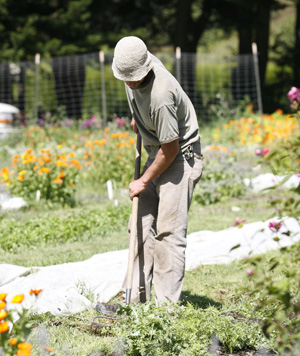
<point>165,156</point>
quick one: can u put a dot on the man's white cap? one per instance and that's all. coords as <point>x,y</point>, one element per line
<point>131,61</point>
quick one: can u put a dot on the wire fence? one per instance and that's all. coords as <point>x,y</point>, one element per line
<point>84,85</point>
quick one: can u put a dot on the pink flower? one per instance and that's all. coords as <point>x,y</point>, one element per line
<point>261,152</point>
<point>275,226</point>
<point>120,122</point>
<point>239,222</point>
<point>294,105</point>
<point>294,94</point>
<point>249,271</point>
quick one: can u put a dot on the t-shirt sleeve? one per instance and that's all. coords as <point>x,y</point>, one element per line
<point>166,124</point>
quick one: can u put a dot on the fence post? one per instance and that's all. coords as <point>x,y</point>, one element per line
<point>37,85</point>
<point>257,78</point>
<point>178,64</point>
<point>104,110</point>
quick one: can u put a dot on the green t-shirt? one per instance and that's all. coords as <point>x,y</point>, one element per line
<point>162,111</point>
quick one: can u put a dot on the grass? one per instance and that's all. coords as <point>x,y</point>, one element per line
<point>98,240</point>
<point>211,293</point>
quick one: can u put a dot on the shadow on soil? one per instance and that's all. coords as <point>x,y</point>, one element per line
<point>199,301</point>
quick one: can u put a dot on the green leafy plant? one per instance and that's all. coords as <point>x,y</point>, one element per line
<point>278,282</point>
<point>183,330</point>
<point>222,176</point>
<point>52,229</point>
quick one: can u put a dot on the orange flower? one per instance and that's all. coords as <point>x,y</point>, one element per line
<point>46,158</point>
<point>79,166</point>
<point>5,170</point>
<point>29,151</point>
<point>4,327</point>
<point>62,175</point>
<point>18,298</point>
<point>47,348</point>
<point>106,129</point>
<point>2,305</point>
<point>57,180</point>
<point>72,154</point>
<point>24,346</point>
<point>3,296</point>
<point>21,178</point>
<point>71,184</point>
<point>74,162</point>
<point>100,143</point>
<point>45,169</point>
<point>13,342</point>
<point>24,349</point>
<point>35,291</point>
<point>3,314</point>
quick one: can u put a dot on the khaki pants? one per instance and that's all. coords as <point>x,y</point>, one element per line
<point>162,228</point>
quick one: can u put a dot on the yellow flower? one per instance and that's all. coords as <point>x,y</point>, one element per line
<point>3,314</point>
<point>2,305</point>
<point>61,163</point>
<point>5,170</point>
<point>21,173</point>
<point>60,146</point>
<point>215,137</point>
<point>3,296</point>
<point>4,327</point>
<point>18,298</point>
<point>21,178</point>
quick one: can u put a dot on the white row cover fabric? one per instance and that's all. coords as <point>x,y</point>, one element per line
<point>66,286</point>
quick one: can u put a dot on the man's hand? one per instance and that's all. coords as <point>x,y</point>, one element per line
<point>133,125</point>
<point>163,159</point>
<point>136,187</point>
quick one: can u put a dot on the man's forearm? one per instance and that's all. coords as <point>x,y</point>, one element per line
<point>165,156</point>
<point>163,159</point>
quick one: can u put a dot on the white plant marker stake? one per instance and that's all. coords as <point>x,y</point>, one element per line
<point>110,192</point>
<point>38,195</point>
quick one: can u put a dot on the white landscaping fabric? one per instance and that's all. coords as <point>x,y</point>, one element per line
<point>66,286</point>
<point>269,180</point>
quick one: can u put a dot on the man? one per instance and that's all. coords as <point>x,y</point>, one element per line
<point>167,122</point>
